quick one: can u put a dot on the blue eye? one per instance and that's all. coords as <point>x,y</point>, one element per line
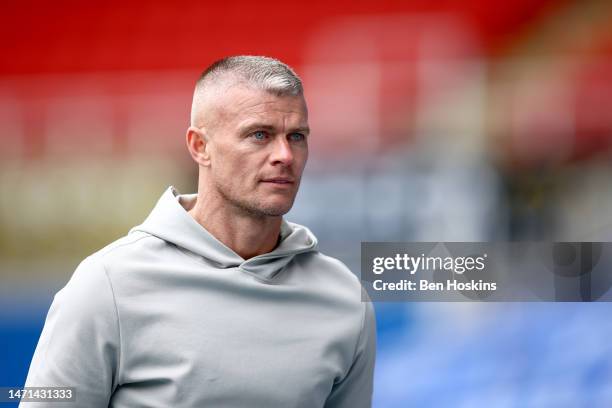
<point>259,135</point>
<point>296,137</point>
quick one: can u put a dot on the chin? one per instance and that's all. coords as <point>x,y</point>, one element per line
<point>268,209</point>
<point>275,208</point>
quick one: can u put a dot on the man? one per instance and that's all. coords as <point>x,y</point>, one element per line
<point>216,300</point>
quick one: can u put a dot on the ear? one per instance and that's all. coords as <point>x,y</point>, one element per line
<point>198,146</point>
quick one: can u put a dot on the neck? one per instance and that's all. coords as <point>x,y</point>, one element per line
<point>246,234</point>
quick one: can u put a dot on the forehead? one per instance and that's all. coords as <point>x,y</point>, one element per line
<point>240,102</point>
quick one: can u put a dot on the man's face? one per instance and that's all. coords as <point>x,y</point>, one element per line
<point>258,149</point>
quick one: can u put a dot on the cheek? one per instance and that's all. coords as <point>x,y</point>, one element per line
<point>222,168</point>
<point>301,158</point>
<point>233,168</point>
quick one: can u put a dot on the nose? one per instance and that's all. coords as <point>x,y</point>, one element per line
<point>281,152</point>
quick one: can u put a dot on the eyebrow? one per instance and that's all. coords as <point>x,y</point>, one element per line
<point>254,126</point>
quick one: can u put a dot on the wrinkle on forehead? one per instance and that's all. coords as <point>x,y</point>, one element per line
<point>275,114</point>
<point>264,109</point>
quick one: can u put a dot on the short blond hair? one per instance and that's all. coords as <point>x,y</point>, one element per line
<point>265,73</point>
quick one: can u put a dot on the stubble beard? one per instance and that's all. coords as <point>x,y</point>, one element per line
<point>255,208</point>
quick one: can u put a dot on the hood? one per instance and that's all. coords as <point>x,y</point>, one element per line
<point>170,221</point>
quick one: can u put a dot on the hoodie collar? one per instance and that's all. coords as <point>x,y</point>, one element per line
<point>171,222</point>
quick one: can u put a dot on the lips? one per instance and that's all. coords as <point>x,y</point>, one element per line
<point>279,180</point>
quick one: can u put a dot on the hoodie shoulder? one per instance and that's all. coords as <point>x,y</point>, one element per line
<point>332,268</point>
<point>135,247</point>
<point>337,264</point>
<point>129,241</point>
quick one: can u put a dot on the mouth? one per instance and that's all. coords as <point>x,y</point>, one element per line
<point>281,181</point>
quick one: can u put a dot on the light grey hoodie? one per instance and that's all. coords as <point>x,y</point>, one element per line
<point>168,316</point>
